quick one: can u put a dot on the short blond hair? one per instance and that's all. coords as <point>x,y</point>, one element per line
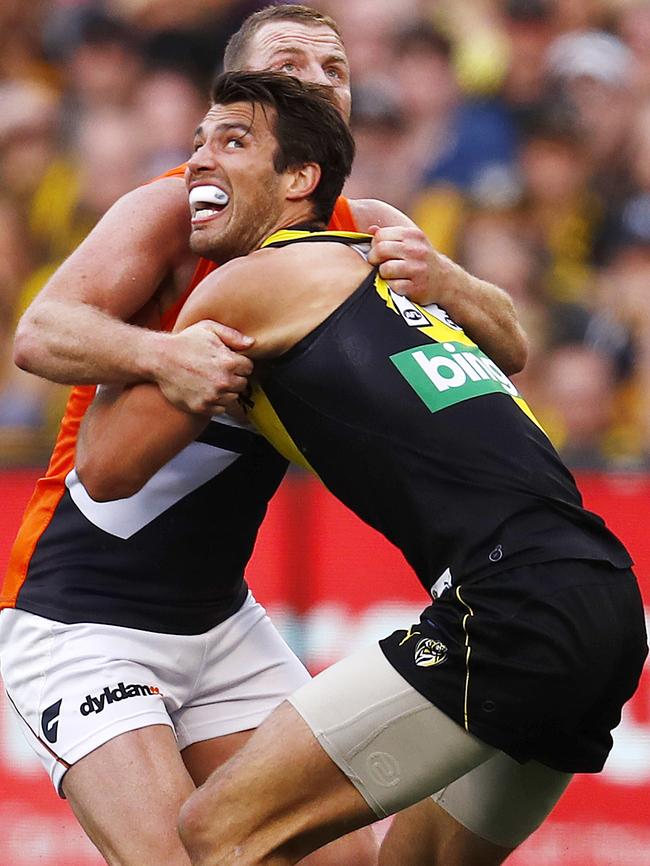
<point>236,53</point>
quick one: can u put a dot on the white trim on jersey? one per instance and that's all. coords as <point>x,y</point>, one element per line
<point>193,466</point>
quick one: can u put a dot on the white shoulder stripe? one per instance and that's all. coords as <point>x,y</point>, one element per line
<point>196,464</point>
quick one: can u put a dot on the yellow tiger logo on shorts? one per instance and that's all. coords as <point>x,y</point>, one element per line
<point>430,652</point>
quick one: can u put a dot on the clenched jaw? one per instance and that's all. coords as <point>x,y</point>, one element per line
<point>207,201</point>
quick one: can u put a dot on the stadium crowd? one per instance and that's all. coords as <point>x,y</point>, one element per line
<point>515,132</point>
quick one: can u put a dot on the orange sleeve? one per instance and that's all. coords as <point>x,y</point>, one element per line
<point>342,219</point>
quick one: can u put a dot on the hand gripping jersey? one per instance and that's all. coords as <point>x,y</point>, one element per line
<point>417,431</point>
<point>169,559</point>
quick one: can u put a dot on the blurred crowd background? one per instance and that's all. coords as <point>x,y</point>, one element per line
<point>515,132</point>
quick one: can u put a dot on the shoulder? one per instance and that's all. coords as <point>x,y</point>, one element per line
<point>370,211</point>
<point>153,220</point>
<point>279,266</point>
<point>286,272</point>
<point>167,195</point>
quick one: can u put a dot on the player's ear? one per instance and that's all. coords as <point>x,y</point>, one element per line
<point>302,181</point>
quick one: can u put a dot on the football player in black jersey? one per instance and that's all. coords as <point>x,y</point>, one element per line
<point>512,680</point>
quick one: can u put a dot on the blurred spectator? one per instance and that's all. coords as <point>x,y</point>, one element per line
<point>455,146</point>
<point>169,103</point>
<point>576,405</point>
<point>495,249</point>
<point>101,63</point>
<point>560,209</point>
<point>529,27</point>
<point>624,291</point>
<point>367,27</point>
<point>634,30</point>
<point>594,71</point>
<point>455,140</point>
<point>379,130</point>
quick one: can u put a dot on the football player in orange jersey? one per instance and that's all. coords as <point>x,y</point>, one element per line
<point>96,321</point>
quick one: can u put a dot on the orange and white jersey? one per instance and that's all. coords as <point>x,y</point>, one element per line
<point>172,557</point>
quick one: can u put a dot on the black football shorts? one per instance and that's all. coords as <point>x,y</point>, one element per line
<point>537,661</point>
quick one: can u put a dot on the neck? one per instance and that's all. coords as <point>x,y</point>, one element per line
<point>302,215</point>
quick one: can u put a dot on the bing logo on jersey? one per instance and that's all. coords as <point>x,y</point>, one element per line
<point>442,374</point>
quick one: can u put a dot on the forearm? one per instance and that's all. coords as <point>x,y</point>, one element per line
<point>414,268</point>
<point>140,416</point>
<point>76,343</point>
<point>486,313</point>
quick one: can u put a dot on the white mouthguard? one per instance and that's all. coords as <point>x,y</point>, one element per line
<point>209,194</point>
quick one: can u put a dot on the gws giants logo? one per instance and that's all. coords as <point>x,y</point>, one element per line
<point>49,723</point>
<point>442,374</point>
<point>429,652</point>
<point>120,693</point>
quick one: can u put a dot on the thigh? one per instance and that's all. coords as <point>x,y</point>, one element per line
<point>279,799</point>
<point>203,758</point>
<point>478,819</point>
<point>357,743</point>
<point>391,742</point>
<point>426,835</point>
<point>127,795</point>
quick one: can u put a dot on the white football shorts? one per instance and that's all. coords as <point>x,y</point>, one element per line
<point>74,687</point>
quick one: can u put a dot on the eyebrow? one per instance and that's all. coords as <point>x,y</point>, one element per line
<point>225,127</point>
<point>331,58</point>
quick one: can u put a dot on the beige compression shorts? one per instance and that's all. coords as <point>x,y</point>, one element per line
<point>397,749</point>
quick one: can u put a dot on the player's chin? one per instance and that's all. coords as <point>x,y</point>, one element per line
<point>202,240</point>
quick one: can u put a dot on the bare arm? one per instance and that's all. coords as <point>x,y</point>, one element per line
<point>128,433</point>
<point>76,330</point>
<point>408,261</point>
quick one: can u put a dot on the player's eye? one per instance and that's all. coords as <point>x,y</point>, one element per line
<point>288,66</point>
<point>234,143</point>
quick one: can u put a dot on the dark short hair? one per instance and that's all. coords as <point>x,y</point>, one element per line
<point>307,125</point>
<point>236,53</point>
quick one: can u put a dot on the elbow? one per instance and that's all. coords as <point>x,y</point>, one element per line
<point>26,345</point>
<point>103,483</point>
<point>519,354</point>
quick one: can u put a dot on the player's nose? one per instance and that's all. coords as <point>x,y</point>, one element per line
<point>202,160</point>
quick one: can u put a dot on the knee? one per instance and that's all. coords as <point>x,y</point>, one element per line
<point>195,827</point>
<point>212,832</point>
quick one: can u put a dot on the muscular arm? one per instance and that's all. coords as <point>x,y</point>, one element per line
<point>76,330</point>
<point>408,261</point>
<point>129,433</point>
<point>72,331</point>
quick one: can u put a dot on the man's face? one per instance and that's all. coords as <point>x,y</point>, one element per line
<point>235,193</point>
<point>310,52</point>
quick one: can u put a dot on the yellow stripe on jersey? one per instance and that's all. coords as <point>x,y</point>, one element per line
<point>525,408</point>
<point>437,330</point>
<point>264,417</point>
<point>285,235</point>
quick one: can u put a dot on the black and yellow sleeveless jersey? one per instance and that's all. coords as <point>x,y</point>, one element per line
<point>415,429</point>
